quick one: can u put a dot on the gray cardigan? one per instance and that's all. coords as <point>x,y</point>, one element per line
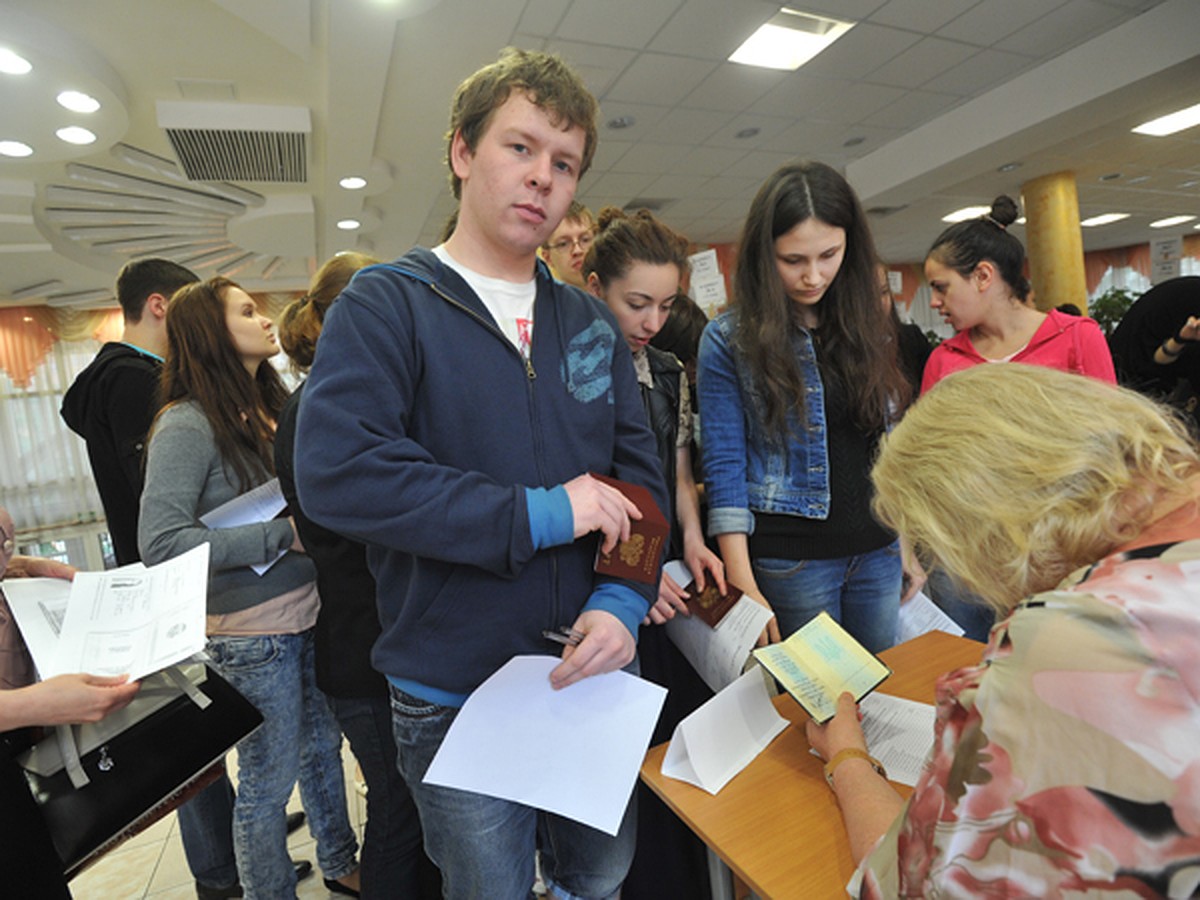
<point>185,478</point>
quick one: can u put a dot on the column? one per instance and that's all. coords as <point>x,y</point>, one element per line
<point>1054,241</point>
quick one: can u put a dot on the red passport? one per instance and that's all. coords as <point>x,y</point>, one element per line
<point>638,557</point>
<point>710,604</point>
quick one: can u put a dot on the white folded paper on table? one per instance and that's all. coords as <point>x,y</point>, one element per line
<point>717,654</point>
<point>575,752</point>
<point>720,738</point>
<point>921,615</point>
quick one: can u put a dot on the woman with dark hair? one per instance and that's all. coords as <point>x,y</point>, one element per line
<point>393,862</point>
<point>635,265</point>
<point>976,270</point>
<point>211,442</point>
<point>797,382</point>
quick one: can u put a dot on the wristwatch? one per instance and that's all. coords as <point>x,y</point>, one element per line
<point>852,753</point>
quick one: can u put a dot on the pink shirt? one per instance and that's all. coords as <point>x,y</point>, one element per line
<point>1067,343</point>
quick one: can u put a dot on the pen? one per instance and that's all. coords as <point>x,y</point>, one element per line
<point>564,635</point>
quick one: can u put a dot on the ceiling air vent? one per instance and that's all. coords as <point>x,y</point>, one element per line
<point>238,141</point>
<point>884,211</point>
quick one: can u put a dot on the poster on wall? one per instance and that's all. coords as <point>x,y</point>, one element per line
<point>1165,256</point>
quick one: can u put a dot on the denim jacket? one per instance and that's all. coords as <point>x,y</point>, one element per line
<point>745,470</point>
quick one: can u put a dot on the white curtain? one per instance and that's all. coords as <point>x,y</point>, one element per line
<point>45,480</point>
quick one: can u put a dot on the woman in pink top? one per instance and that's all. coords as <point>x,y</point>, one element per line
<point>976,272</point>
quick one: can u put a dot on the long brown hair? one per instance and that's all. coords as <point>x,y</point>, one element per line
<point>858,342</point>
<point>203,365</point>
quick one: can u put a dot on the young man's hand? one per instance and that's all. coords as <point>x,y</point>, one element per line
<point>596,506</point>
<point>607,646</point>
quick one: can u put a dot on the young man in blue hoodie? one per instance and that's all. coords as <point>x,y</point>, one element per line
<point>458,401</point>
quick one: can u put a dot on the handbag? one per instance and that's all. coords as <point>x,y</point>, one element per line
<point>101,783</point>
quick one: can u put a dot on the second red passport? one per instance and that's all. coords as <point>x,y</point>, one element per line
<point>637,558</point>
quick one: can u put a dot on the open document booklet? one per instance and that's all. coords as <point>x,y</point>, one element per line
<point>820,661</point>
<point>130,621</point>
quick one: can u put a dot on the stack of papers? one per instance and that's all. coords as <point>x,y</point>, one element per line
<point>130,621</point>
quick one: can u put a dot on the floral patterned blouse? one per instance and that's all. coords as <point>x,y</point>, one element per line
<point>1067,764</point>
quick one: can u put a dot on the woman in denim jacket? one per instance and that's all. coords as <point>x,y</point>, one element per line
<point>796,383</point>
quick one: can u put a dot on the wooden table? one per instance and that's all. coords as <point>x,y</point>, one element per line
<point>776,824</point>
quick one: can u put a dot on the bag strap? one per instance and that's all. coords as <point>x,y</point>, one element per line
<point>70,755</point>
<point>185,684</point>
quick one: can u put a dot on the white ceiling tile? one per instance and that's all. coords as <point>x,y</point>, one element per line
<point>768,127</point>
<point>541,17</point>
<point>846,10</point>
<point>621,23</point>
<point>599,67</point>
<point>920,15</point>
<point>1065,27</point>
<point>982,72</point>
<point>798,95</point>
<point>712,29</point>
<point>913,109</point>
<point>856,102</point>
<point>618,185</point>
<point>707,160</point>
<point>676,186</point>
<point>734,184</point>
<point>860,50</point>
<point>649,159</point>
<point>688,126</point>
<point>660,79</point>
<point>993,20</point>
<point>732,87</point>
<point>643,117</point>
<point>924,60</point>
<point>609,151</point>
<point>761,163</point>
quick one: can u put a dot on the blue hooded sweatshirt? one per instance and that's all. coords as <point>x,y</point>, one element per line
<point>424,433</point>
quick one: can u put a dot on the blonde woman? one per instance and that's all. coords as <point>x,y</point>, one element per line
<point>1065,763</point>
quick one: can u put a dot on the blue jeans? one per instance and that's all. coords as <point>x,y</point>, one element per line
<point>206,830</point>
<point>974,616</point>
<point>393,858</point>
<point>298,739</point>
<point>861,592</point>
<point>485,846</point>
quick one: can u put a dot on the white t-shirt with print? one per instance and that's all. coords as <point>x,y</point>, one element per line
<point>510,303</point>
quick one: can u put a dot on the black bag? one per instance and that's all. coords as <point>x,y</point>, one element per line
<point>138,763</point>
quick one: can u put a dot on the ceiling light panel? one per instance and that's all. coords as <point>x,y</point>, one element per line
<point>788,40</point>
<point>1171,123</point>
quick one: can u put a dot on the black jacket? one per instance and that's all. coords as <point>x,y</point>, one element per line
<point>111,405</point>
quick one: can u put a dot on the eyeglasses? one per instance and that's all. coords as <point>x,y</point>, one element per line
<point>582,242</point>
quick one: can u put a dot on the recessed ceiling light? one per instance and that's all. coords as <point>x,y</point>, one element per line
<point>1010,167</point>
<point>12,64</point>
<point>1171,220</point>
<point>15,148</point>
<point>1111,176</point>
<point>747,133</point>
<point>967,212</point>
<point>1140,179</point>
<point>353,183</point>
<point>788,40</point>
<point>621,122</point>
<point>1020,221</point>
<point>1105,219</point>
<point>853,142</point>
<point>73,134</point>
<point>1169,124</point>
<point>78,101</point>
<point>1190,183</point>
<point>349,224</point>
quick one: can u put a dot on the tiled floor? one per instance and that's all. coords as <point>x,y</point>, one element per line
<point>153,865</point>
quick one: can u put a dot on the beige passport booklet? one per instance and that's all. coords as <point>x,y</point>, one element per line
<point>820,661</point>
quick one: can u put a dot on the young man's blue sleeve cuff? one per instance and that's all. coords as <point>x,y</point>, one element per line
<point>622,601</point>
<point>551,522</point>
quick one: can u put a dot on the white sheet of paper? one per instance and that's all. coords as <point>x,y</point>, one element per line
<point>921,615</point>
<point>721,738</point>
<point>261,504</point>
<point>899,734</point>
<point>574,752</point>
<point>134,620</point>
<point>717,654</point>
<point>38,605</point>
